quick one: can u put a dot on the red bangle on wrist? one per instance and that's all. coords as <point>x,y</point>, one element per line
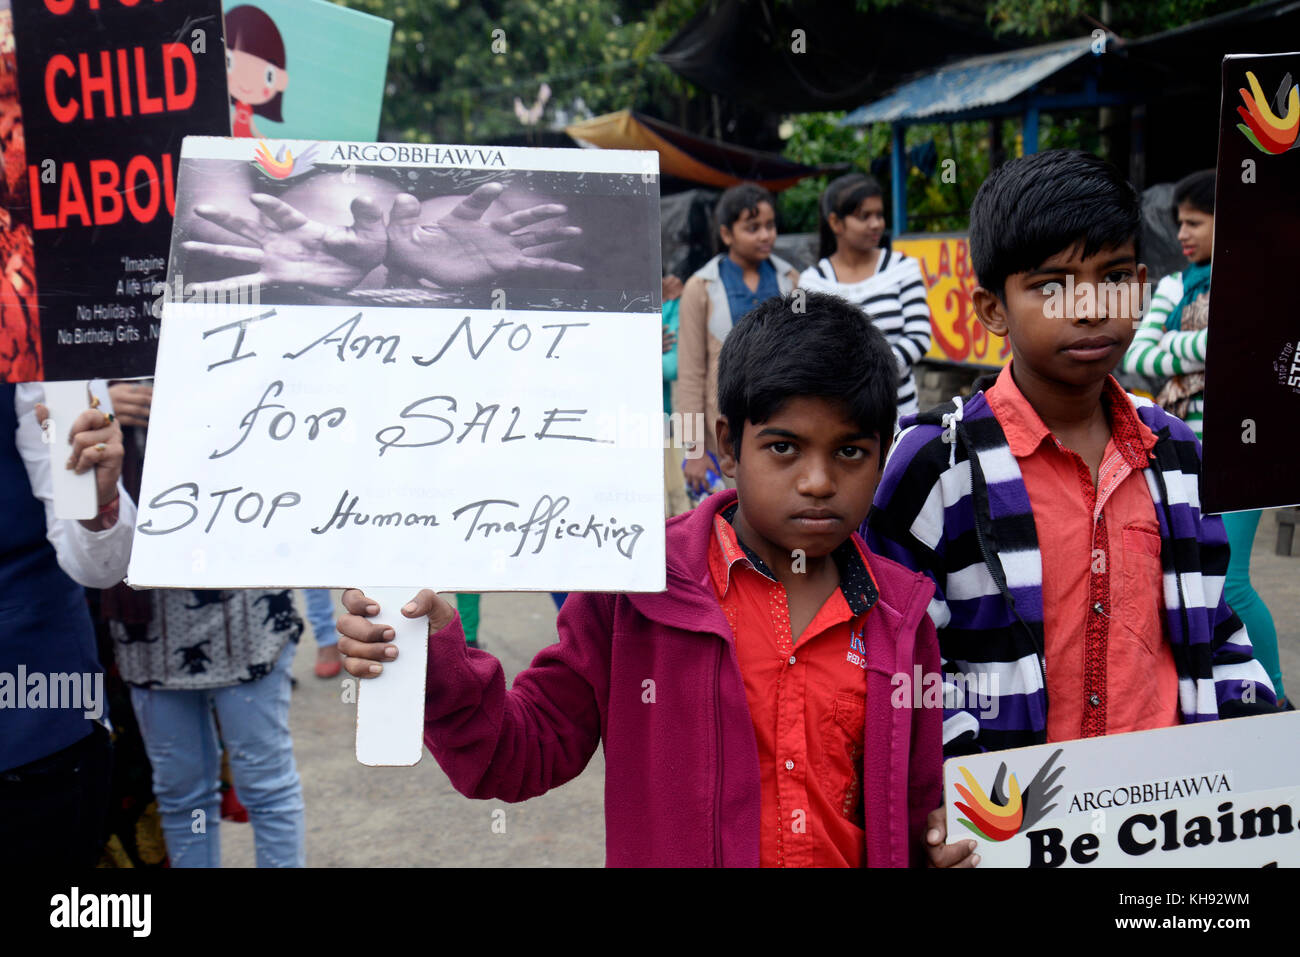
<point>108,512</point>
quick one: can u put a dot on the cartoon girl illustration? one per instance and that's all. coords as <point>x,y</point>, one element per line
<point>255,68</point>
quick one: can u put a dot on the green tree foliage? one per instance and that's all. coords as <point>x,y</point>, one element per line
<point>1051,19</point>
<point>447,82</point>
<point>818,138</point>
<point>456,67</point>
<point>934,203</point>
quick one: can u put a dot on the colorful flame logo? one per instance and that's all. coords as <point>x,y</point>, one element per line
<point>1003,813</point>
<point>1269,133</point>
<point>991,820</point>
<point>282,165</point>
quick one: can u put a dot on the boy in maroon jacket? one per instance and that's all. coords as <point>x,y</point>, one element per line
<point>748,713</point>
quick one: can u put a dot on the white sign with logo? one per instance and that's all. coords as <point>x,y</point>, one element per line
<point>1219,794</point>
<point>407,365</point>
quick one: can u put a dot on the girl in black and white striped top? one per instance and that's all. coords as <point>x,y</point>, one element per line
<point>886,285</point>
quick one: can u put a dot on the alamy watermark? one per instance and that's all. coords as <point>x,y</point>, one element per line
<point>75,909</point>
<point>973,691</point>
<point>233,292</point>
<point>1071,300</point>
<point>60,690</point>
<point>643,430</point>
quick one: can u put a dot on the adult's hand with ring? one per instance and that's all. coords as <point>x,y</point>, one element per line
<point>95,445</point>
<point>132,402</point>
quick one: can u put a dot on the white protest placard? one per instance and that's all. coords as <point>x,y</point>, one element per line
<point>407,366</point>
<point>327,424</point>
<point>505,471</point>
<point>1219,794</point>
<point>75,496</point>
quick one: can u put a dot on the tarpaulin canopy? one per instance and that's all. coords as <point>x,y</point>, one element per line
<point>798,57</point>
<point>691,157</point>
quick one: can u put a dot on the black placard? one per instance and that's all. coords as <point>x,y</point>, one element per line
<point>1252,386</point>
<point>108,89</point>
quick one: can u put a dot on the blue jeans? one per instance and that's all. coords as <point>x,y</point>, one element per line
<point>320,612</point>
<point>180,737</point>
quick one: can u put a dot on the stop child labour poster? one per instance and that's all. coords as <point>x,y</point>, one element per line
<point>408,365</point>
<point>101,95</point>
<point>1217,794</point>
<point>1252,371</point>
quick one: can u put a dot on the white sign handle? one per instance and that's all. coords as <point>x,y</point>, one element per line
<point>390,707</point>
<point>74,495</point>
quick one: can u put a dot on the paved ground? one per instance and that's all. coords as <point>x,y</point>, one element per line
<point>398,817</point>
<point>358,816</point>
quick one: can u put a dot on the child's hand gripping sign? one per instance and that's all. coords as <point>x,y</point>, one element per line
<point>389,721</point>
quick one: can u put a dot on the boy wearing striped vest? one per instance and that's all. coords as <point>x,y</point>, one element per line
<point>1078,583</point>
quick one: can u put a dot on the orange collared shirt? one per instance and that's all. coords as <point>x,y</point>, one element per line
<point>807,699</point>
<point>1109,666</point>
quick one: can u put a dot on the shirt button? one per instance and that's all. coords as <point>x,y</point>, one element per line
<point>792,659</point>
<point>1094,700</point>
<point>1096,606</point>
<point>789,765</point>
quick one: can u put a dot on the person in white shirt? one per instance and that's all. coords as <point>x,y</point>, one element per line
<point>54,747</point>
<point>885,284</point>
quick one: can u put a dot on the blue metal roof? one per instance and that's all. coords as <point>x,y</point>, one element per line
<point>970,84</point>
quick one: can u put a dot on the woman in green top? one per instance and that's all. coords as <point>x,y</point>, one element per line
<point>1171,342</point>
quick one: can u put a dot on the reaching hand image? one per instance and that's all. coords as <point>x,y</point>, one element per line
<point>293,249</point>
<point>460,249</point>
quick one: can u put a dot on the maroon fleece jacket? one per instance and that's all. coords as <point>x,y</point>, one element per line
<point>655,678</point>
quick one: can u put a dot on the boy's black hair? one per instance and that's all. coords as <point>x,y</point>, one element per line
<point>739,200</point>
<point>1034,206</point>
<point>807,344</point>
<point>1196,190</point>
<point>842,197</point>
